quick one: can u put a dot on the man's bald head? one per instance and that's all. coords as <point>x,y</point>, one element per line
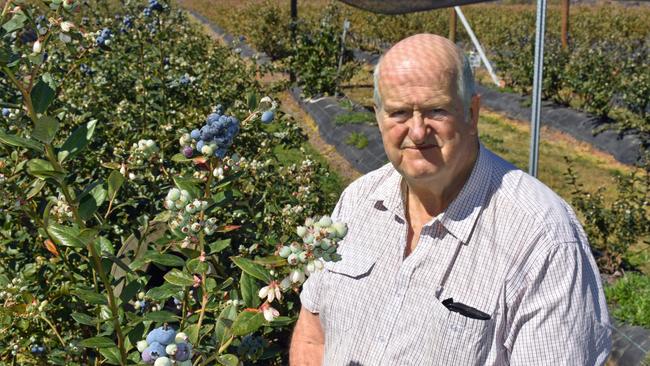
<point>426,56</point>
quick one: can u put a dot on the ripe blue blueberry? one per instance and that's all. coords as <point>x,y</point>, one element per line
<point>199,145</point>
<point>267,116</point>
<point>195,134</point>
<point>153,352</point>
<point>5,112</point>
<point>163,335</point>
<point>187,151</point>
<point>183,351</point>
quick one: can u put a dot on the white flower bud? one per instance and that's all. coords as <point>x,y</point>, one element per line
<point>131,176</point>
<point>297,276</point>
<point>264,292</point>
<point>38,47</point>
<point>66,26</point>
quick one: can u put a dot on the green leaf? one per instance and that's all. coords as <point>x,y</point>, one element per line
<point>272,260</point>
<point>115,181</point>
<point>249,290</point>
<point>224,322</point>
<point>218,246</point>
<point>42,95</point>
<point>247,322</point>
<point>228,360</point>
<point>164,291</point>
<point>16,22</point>
<point>192,332</point>
<point>164,259</point>
<point>252,100</point>
<point>180,158</point>
<point>90,297</point>
<point>117,261</point>
<point>91,201</point>
<point>65,236</point>
<point>43,169</point>
<point>78,140</point>
<point>37,186</point>
<point>97,342</point>
<point>188,184</point>
<point>45,129</point>
<point>161,316</point>
<point>252,268</point>
<point>196,266</point>
<point>84,319</point>
<point>17,141</point>
<point>178,278</point>
<point>112,355</point>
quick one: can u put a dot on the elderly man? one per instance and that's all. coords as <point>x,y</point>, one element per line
<point>453,256</point>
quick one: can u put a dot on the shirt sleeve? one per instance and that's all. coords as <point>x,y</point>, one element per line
<point>558,315</point>
<point>312,288</point>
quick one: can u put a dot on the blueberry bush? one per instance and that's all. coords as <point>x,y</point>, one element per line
<point>147,214</point>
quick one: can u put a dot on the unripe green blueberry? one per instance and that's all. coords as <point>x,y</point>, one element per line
<point>207,150</point>
<point>318,264</point>
<point>174,194</point>
<point>326,257</point>
<point>285,251</point>
<point>142,345</point>
<point>163,361</point>
<point>325,221</point>
<point>309,221</point>
<point>204,206</point>
<point>171,349</point>
<point>308,239</point>
<point>208,230</point>
<point>295,248</point>
<point>325,244</point>
<point>181,337</point>
<point>292,259</point>
<point>141,295</point>
<point>341,229</point>
<point>301,231</point>
<point>302,257</point>
<point>212,220</point>
<point>310,267</point>
<point>169,204</point>
<point>185,196</point>
<point>190,208</point>
<point>196,227</point>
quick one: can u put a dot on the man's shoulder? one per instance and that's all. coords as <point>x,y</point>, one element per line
<point>368,183</point>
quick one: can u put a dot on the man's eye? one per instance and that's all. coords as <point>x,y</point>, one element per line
<point>437,113</point>
<point>397,114</point>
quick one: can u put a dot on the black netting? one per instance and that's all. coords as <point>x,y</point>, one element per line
<point>403,7</point>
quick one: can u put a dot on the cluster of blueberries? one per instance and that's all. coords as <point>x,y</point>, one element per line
<point>320,240</point>
<point>154,5</point>
<point>86,70</point>
<point>104,38</point>
<point>164,347</point>
<point>213,138</point>
<point>127,23</point>
<point>38,350</point>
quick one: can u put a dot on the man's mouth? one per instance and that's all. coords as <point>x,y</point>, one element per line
<point>420,147</point>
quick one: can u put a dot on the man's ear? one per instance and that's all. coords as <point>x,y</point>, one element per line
<point>378,116</point>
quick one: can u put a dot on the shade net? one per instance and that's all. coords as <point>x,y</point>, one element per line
<point>403,7</point>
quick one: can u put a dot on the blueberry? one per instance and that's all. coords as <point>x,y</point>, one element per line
<point>199,145</point>
<point>153,352</point>
<point>5,112</point>
<point>267,116</point>
<point>163,335</point>
<point>195,134</point>
<point>188,151</point>
<point>183,351</point>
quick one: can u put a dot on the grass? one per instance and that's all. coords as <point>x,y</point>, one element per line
<point>355,118</point>
<point>357,139</point>
<point>630,296</point>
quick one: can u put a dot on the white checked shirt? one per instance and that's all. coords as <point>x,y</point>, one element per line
<point>507,245</point>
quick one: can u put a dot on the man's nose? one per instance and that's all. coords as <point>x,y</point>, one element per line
<point>417,129</point>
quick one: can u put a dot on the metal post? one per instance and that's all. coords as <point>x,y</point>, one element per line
<point>452,25</point>
<point>346,26</point>
<point>472,36</point>
<point>537,87</point>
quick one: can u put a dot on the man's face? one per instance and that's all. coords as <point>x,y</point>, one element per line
<point>425,132</point>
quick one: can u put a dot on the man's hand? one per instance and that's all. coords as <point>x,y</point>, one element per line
<point>308,341</point>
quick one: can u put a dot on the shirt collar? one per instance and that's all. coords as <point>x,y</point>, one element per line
<point>461,215</point>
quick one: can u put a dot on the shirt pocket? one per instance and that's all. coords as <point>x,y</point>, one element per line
<point>459,339</point>
<point>347,279</point>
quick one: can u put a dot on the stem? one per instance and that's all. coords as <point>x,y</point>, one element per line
<point>54,329</point>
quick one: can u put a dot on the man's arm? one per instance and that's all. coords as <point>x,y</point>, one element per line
<point>308,341</point>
